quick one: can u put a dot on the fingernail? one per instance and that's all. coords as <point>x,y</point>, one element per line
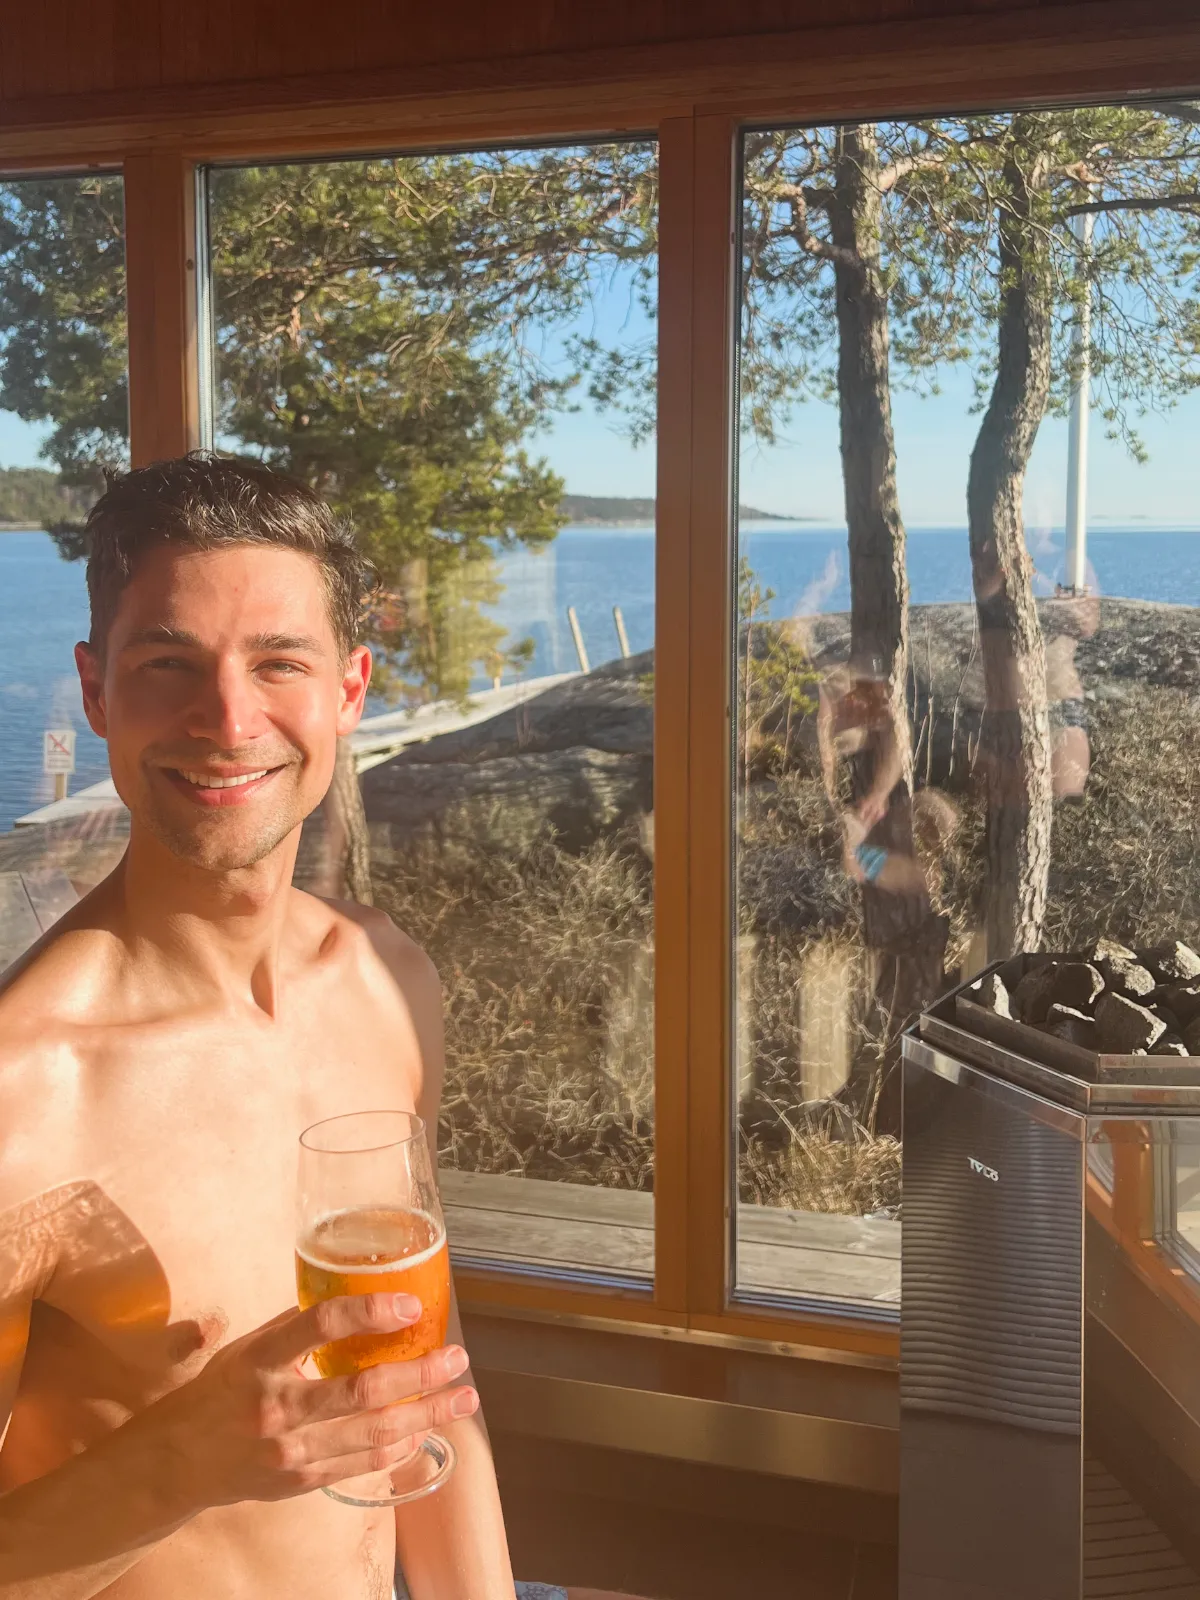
<point>456,1361</point>
<point>406,1305</point>
<point>465,1404</point>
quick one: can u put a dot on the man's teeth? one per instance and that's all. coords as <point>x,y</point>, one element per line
<point>205,781</point>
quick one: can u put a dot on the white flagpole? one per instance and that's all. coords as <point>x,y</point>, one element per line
<point>1077,444</point>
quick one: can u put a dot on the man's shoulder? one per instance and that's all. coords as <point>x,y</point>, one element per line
<point>51,985</point>
<point>368,938</point>
<point>397,994</point>
<point>40,1026</point>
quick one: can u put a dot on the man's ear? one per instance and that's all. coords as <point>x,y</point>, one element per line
<point>355,681</point>
<point>91,681</point>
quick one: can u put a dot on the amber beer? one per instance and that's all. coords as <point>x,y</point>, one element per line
<point>370,1250</point>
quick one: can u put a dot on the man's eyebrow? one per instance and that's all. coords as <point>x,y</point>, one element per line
<point>284,642</point>
<point>180,638</point>
<point>159,633</point>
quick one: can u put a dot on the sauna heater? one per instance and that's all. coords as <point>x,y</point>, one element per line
<point>1050,1333</point>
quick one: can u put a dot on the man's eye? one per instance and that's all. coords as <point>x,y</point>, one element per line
<point>288,668</point>
<point>166,663</point>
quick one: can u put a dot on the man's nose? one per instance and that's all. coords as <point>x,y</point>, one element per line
<point>227,711</point>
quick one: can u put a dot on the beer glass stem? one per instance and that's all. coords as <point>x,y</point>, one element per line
<point>419,1474</point>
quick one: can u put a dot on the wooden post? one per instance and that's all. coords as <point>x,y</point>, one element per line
<point>577,635</point>
<point>711,534</point>
<point>160,232</point>
<point>60,785</point>
<point>622,636</point>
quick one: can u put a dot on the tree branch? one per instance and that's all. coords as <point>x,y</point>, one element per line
<point>1165,202</point>
<point>800,198</point>
<point>890,176</point>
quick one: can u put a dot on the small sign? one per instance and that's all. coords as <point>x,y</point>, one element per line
<point>58,750</point>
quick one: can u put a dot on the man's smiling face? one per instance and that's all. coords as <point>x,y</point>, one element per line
<point>221,693</point>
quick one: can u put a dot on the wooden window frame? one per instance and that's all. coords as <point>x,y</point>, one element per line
<point>694,99</point>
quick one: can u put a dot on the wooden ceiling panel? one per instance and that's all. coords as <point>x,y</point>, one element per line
<point>72,47</point>
<point>137,44</point>
<point>280,74</point>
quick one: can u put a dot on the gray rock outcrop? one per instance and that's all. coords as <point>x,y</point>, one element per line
<point>577,759</point>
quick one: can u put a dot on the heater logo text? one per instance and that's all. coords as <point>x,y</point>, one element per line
<point>981,1171</point>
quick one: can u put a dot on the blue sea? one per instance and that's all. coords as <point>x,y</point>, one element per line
<point>43,609</point>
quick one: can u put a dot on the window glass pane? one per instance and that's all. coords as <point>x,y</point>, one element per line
<point>1177,1192</point>
<point>63,419</point>
<point>968,643</point>
<point>458,352</point>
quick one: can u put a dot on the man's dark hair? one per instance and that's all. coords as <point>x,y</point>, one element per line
<point>203,501</point>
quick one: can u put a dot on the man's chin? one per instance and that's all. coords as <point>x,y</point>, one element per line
<point>221,843</point>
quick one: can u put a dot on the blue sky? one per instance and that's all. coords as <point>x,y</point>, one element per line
<point>801,474</point>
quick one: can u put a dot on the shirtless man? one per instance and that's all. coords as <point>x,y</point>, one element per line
<point>161,1049</point>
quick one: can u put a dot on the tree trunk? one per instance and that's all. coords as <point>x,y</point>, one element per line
<point>906,939</point>
<point>1015,735</point>
<point>878,572</point>
<point>348,836</point>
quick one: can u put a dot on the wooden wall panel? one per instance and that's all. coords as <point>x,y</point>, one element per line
<point>85,47</point>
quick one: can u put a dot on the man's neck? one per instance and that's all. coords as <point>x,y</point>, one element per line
<point>205,930</point>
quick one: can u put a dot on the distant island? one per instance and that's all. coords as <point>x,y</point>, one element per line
<point>625,511</point>
<point>32,497</point>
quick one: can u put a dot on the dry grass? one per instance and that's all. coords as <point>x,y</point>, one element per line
<point>1127,861</point>
<point>547,966</point>
<point>833,1165</point>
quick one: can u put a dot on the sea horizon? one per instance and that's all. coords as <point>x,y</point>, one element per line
<point>43,608</point>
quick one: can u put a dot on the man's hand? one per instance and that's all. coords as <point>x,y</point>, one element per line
<point>251,1426</point>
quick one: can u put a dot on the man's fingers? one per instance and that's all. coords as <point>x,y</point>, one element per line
<point>331,1452</point>
<point>388,1384</point>
<point>306,1331</point>
<point>330,1443</point>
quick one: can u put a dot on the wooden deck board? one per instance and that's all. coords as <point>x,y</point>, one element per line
<point>50,894</point>
<point>536,1197</point>
<point>18,922</point>
<point>570,1225</point>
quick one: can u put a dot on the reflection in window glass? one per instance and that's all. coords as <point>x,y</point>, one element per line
<point>1178,1225</point>
<point>458,352</point>
<point>63,420</point>
<point>968,648</point>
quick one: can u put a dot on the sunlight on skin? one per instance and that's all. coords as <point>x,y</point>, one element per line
<point>166,1045</point>
<point>168,692</point>
<point>81,1258</point>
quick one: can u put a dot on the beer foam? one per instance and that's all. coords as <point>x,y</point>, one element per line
<point>392,1264</point>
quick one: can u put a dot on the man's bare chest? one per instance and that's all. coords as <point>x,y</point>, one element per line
<point>174,1227</point>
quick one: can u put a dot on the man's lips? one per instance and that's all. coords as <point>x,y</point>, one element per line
<point>233,787</point>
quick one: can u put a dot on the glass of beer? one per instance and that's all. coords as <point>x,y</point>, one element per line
<point>368,1220</point>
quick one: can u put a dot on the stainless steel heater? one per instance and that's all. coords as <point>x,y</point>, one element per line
<point>1050,1343</point>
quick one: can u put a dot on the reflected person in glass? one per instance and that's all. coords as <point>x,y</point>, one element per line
<point>161,1051</point>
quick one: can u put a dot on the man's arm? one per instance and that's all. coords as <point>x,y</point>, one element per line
<point>451,1545</point>
<point>250,1426</point>
<point>72,1533</point>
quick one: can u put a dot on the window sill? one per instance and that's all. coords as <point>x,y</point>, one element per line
<point>688,1401</point>
<point>606,1236</point>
